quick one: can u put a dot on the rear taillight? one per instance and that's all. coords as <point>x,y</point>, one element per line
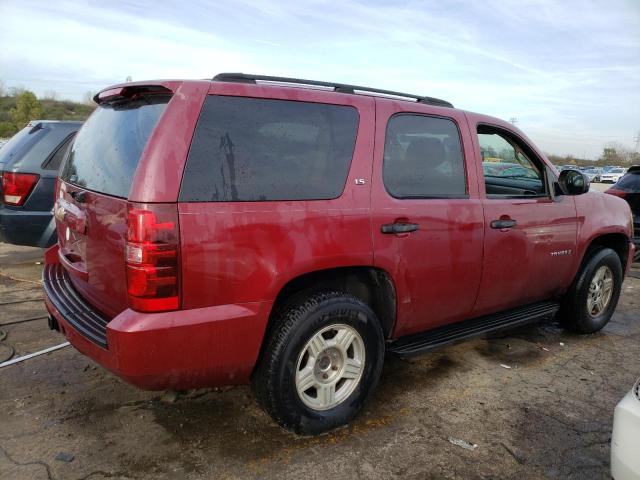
<point>16,187</point>
<point>617,193</point>
<point>152,257</point>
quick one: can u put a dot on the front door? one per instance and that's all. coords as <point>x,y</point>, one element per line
<point>529,236</point>
<point>427,222</point>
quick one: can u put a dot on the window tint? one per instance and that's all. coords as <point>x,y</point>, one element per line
<point>507,169</point>
<point>56,159</point>
<point>423,157</point>
<point>106,151</point>
<point>251,149</point>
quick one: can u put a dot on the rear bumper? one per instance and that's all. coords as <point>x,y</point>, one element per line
<point>196,348</point>
<point>24,227</point>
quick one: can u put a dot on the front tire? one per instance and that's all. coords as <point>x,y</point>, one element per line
<point>321,362</point>
<point>593,297</point>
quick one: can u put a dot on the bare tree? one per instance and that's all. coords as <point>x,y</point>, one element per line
<point>50,95</point>
<point>3,88</point>
<point>616,153</point>
<point>128,79</point>
<point>87,98</point>
<point>16,91</point>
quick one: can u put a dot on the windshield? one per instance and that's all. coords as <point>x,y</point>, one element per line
<point>105,154</point>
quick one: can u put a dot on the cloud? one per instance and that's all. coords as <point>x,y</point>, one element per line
<point>570,71</point>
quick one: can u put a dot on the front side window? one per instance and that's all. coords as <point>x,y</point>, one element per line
<point>254,149</point>
<point>508,170</point>
<point>423,158</point>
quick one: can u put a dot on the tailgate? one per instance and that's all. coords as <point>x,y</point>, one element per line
<point>91,235</point>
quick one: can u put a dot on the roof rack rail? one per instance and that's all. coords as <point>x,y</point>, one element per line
<point>337,87</point>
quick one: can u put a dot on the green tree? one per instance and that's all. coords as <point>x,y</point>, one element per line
<point>27,108</point>
<point>7,129</point>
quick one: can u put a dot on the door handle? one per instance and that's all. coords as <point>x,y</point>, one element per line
<point>503,223</point>
<point>400,227</point>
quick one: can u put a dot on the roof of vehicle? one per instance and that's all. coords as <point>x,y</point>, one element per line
<point>285,82</point>
<point>337,87</point>
<point>124,90</point>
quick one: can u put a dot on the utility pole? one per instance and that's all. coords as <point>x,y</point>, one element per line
<point>638,141</point>
<point>513,120</point>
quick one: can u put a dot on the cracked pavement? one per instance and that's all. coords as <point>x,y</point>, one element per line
<point>548,416</point>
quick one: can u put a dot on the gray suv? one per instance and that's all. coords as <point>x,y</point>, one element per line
<point>29,165</point>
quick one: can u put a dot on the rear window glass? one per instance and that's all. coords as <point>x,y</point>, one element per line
<point>20,143</point>
<point>106,151</point>
<point>250,149</point>
<point>631,181</point>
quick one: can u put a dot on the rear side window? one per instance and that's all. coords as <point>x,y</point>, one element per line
<point>251,149</point>
<point>106,151</point>
<point>630,182</point>
<point>423,158</point>
<point>54,161</point>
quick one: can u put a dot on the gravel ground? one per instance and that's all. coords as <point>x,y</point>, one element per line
<point>547,416</point>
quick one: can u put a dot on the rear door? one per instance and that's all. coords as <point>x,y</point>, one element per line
<point>427,222</point>
<point>530,237</point>
<point>91,201</point>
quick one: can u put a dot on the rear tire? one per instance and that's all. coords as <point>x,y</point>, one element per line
<point>590,302</point>
<point>322,360</point>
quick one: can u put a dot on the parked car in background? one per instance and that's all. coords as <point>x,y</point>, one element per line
<point>625,461</point>
<point>613,175</point>
<point>594,174</point>
<point>628,187</point>
<point>29,166</point>
<point>259,229</point>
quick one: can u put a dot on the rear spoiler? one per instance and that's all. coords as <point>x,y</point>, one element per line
<point>129,92</point>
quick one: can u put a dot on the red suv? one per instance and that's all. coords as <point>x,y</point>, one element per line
<point>290,233</point>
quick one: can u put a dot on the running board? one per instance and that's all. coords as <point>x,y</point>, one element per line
<point>448,334</point>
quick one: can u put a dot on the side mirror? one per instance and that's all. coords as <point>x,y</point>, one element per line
<point>573,182</point>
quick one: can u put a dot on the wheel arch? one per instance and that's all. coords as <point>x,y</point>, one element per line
<point>374,286</point>
<point>616,241</point>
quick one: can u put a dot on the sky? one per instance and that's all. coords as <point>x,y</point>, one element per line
<point>569,71</point>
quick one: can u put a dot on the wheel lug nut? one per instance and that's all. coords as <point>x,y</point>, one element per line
<point>334,367</point>
<point>325,376</point>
